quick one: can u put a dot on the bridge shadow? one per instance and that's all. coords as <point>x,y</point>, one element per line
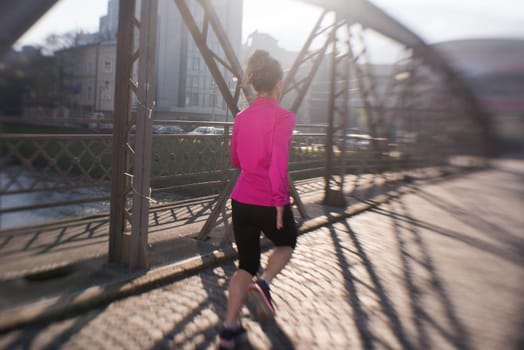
<point>28,338</point>
<point>513,254</point>
<point>362,320</point>
<point>214,284</point>
<point>37,248</point>
<point>415,256</point>
<point>410,244</point>
<point>474,214</point>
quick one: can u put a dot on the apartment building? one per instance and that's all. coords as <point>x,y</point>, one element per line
<point>87,76</point>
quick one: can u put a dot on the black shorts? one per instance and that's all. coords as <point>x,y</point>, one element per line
<point>249,220</point>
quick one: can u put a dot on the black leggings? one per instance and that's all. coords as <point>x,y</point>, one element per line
<point>249,220</point>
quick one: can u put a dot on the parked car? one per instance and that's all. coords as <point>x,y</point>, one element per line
<point>167,129</point>
<point>95,119</point>
<point>207,130</point>
<point>162,129</point>
<point>217,131</point>
<point>357,141</point>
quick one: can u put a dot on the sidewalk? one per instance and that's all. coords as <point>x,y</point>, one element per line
<point>421,269</point>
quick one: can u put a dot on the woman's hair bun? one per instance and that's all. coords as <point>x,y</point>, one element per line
<point>263,71</point>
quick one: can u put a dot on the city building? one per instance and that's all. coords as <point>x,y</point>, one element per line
<point>185,87</point>
<point>108,24</point>
<point>88,76</point>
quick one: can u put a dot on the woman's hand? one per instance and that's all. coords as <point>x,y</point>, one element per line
<point>280,215</point>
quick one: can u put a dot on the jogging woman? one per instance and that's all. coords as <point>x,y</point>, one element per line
<point>260,199</point>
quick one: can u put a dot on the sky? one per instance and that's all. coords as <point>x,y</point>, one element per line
<point>433,20</point>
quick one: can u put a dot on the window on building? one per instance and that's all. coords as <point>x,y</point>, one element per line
<point>108,66</point>
<point>195,65</point>
<point>195,85</point>
<point>105,92</point>
<point>194,99</point>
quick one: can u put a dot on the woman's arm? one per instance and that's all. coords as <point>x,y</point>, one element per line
<point>233,149</point>
<point>279,160</point>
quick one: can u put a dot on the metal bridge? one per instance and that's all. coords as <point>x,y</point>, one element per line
<point>422,116</point>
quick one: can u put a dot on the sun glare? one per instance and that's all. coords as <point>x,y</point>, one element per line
<point>288,21</point>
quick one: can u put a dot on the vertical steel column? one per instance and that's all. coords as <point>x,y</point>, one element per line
<point>338,115</point>
<point>130,192</point>
<point>144,124</point>
<point>120,183</point>
<point>367,89</point>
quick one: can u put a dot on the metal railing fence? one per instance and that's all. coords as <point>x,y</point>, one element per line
<point>49,171</point>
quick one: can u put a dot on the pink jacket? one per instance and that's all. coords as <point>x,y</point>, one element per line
<point>260,148</point>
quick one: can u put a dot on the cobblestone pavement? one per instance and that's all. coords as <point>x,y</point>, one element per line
<point>440,268</point>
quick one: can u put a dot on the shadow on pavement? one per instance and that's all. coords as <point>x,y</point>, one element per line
<point>28,338</point>
<point>514,257</point>
<point>411,245</point>
<point>403,225</point>
<point>475,219</point>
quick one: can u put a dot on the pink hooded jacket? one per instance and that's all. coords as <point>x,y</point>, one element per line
<point>260,148</point>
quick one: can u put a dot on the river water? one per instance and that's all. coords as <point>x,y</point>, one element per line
<point>25,179</point>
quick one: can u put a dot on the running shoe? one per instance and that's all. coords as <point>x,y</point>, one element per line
<point>260,295</point>
<point>229,338</point>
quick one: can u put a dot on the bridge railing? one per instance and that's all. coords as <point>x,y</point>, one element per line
<point>48,177</point>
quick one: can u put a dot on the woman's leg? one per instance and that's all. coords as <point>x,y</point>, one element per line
<point>277,261</point>
<point>237,296</point>
<point>247,238</point>
<point>285,240</point>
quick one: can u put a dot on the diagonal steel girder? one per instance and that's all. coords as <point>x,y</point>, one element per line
<point>370,16</point>
<point>217,67</point>
<point>213,60</point>
<point>17,16</point>
<point>303,58</point>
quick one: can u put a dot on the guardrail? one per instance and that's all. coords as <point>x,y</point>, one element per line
<point>43,172</point>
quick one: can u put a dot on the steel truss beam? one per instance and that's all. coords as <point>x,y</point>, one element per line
<point>130,185</point>
<point>17,16</point>
<point>337,115</point>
